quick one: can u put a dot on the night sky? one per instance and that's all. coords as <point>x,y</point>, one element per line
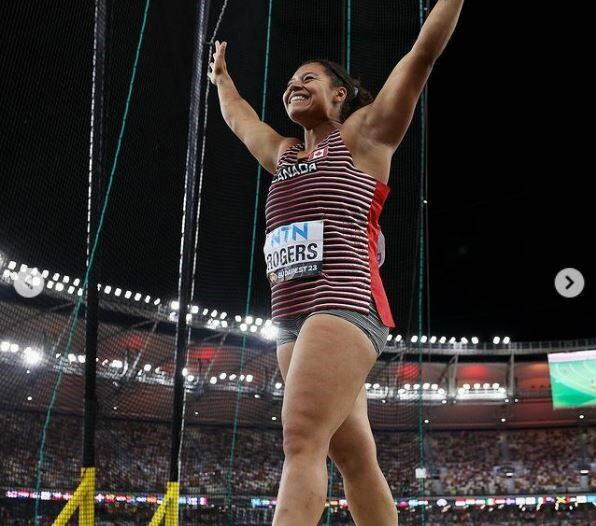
<point>510,189</point>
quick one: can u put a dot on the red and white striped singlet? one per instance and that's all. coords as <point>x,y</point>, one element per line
<point>327,186</point>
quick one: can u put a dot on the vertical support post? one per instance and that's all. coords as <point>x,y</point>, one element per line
<point>186,259</point>
<point>97,174</point>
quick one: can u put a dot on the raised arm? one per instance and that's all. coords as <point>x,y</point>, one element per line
<point>387,119</point>
<point>262,141</point>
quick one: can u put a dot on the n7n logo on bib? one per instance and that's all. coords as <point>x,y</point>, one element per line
<point>291,232</point>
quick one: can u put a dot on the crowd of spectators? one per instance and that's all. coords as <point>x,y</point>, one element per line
<point>134,456</point>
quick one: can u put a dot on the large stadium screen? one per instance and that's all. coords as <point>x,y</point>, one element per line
<point>573,378</point>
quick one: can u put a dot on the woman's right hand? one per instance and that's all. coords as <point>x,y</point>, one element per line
<point>218,68</point>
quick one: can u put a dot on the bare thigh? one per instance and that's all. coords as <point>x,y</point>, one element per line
<point>354,431</point>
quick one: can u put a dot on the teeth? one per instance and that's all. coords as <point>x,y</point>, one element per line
<point>297,97</point>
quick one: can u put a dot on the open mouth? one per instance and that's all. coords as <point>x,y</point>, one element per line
<point>298,100</point>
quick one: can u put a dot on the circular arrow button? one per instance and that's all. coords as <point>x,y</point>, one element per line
<point>569,282</point>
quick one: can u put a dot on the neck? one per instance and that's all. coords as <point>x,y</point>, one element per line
<point>313,136</point>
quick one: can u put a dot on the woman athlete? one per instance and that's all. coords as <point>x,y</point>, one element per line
<point>322,227</point>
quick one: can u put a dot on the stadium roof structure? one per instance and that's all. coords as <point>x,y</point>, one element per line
<point>461,384</point>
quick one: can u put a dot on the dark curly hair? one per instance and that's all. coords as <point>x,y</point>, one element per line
<point>357,97</point>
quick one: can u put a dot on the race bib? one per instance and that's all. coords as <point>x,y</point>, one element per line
<point>294,251</point>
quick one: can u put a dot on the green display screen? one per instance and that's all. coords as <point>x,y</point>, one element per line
<point>573,378</point>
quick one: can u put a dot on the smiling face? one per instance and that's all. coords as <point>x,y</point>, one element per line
<point>311,98</point>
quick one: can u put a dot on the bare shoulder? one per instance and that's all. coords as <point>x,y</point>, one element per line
<point>369,156</point>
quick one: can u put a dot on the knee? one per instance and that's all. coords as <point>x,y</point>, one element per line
<point>353,458</point>
<point>302,435</point>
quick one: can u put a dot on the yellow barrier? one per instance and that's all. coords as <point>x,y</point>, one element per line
<point>168,507</point>
<point>82,499</point>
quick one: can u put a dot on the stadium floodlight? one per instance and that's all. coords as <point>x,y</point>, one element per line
<point>147,367</point>
<point>516,400</point>
<point>389,337</point>
<point>243,327</point>
<point>474,340</point>
<point>503,420</point>
<point>486,386</point>
<point>433,339</point>
<point>29,398</point>
<point>464,341</point>
<point>188,317</point>
<point>253,328</point>
<point>224,324</point>
<point>426,386</point>
<point>81,358</point>
<point>157,370</point>
<point>237,318</point>
<point>56,277</point>
<point>233,376</point>
<point>59,287</point>
<point>71,290</point>
<point>398,338</point>
<point>76,282</point>
<point>376,386</point>
<point>496,340</point>
<point>476,386</point>
<point>138,296</point>
<point>506,400</point>
<point>242,378</point>
<point>249,378</point>
<point>423,339</point>
<point>584,471</point>
<point>213,313</point>
<point>273,418</point>
<point>46,273</point>
<point>118,292</point>
<point>434,387</point>
<point>414,339</point>
<point>443,401</point>
<point>581,417</point>
<point>80,292</point>
<point>194,309</point>
<point>117,364</point>
<point>128,294</point>
<point>12,265</point>
<point>442,339</point>
<point>205,311</point>
<point>426,421</point>
<point>407,387</point>
<point>72,357</point>
<point>157,301</point>
<point>31,356</point>
<point>278,385</point>
<point>14,347</point>
<point>268,323</point>
<point>495,385</point>
<point>466,387</point>
<point>501,389</point>
<point>147,299</point>
<point>223,315</point>
<point>257,395</point>
<point>383,401</point>
<point>367,385</point>
<point>416,387</point>
<point>65,279</point>
<point>506,340</point>
<point>223,376</point>
<point>107,289</point>
<point>441,390</point>
<point>190,377</point>
<point>259,321</point>
<point>213,380</point>
<point>6,274</point>
<point>249,320</point>
<point>5,346</point>
<point>452,340</point>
